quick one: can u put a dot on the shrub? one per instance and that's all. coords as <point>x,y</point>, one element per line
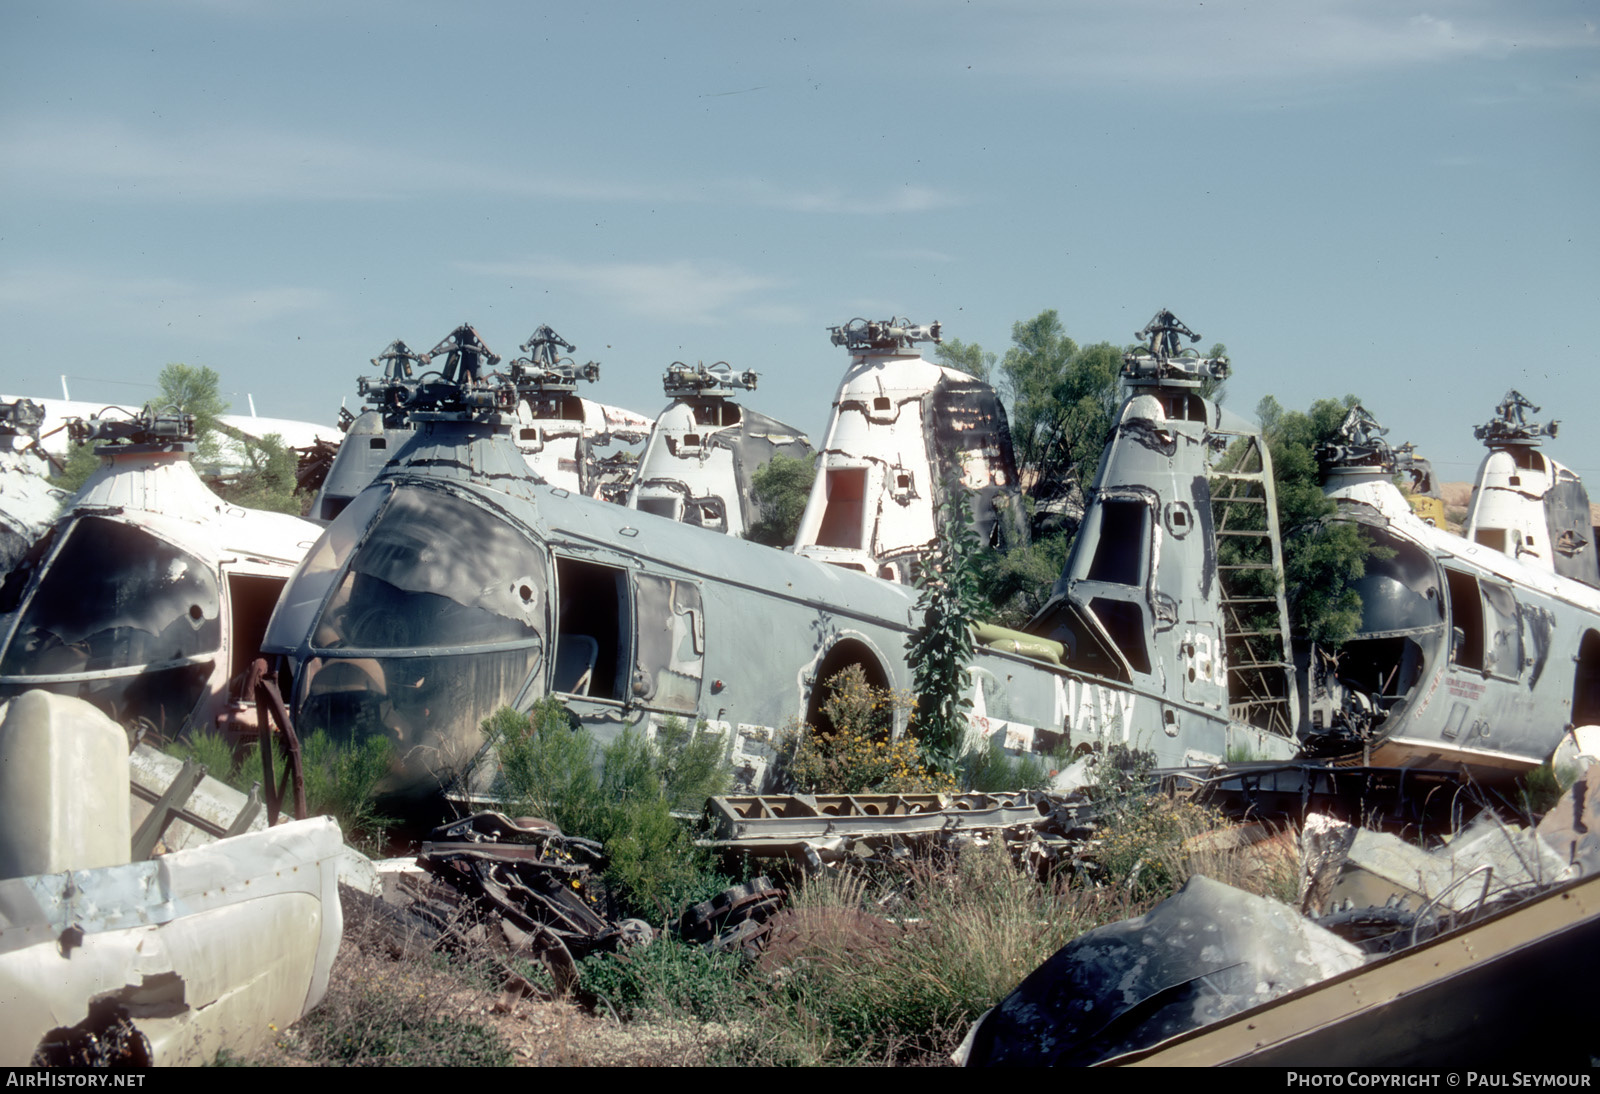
<point>1150,843</point>
<point>622,794</point>
<point>342,779</point>
<point>861,756</point>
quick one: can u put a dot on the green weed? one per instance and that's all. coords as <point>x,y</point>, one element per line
<point>991,769</point>
<point>667,977</point>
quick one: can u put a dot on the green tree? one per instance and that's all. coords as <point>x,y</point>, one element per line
<point>1030,372</point>
<point>81,463</point>
<point>195,389</point>
<point>969,357</point>
<point>269,478</point>
<point>1018,582</point>
<point>1063,398</point>
<point>780,489</point>
<point>1321,558</point>
<point>1215,390</point>
<point>938,651</point>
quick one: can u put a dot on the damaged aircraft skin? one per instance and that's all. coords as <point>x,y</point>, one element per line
<point>110,958</point>
<point>1527,505</point>
<point>558,431</point>
<point>457,583</point>
<point>28,503</point>
<point>1466,656</point>
<point>902,427</point>
<point>149,597</point>
<point>700,462</point>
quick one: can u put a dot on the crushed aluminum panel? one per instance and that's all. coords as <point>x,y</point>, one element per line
<point>1486,862</point>
<point>208,948</point>
<point>1490,992</point>
<point>28,503</point>
<point>56,754</point>
<point>1204,953</point>
<point>1572,827</point>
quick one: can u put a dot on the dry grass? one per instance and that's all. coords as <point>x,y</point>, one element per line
<point>392,1001</point>
<point>858,987</point>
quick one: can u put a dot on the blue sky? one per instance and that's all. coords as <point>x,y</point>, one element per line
<point>1362,196</point>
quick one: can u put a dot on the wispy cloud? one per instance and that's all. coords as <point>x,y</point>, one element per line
<point>1165,44</point>
<point>109,158</point>
<point>907,198</point>
<point>682,291</point>
<point>153,304</point>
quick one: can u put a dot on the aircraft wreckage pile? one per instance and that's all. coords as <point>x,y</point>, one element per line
<point>472,550</point>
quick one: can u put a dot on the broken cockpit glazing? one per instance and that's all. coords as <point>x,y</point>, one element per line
<point>149,598</point>
<point>122,618</point>
<point>417,608</point>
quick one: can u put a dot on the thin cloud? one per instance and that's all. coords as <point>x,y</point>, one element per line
<point>154,304</point>
<point>683,291</point>
<point>1167,45</point>
<point>901,199</point>
<point>108,158</point>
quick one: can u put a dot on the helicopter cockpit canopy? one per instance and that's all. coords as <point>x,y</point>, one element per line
<point>415,600</point>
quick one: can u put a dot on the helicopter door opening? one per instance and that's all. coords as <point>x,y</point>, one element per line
<point>1466,616</point>
<point>592,631</point>
<point>843,521</point>
<point>1586,685</point>
<point>1120,552</point>
<point>251,600</point>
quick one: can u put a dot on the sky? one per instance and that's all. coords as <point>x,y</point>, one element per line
<point>1383,198</point>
